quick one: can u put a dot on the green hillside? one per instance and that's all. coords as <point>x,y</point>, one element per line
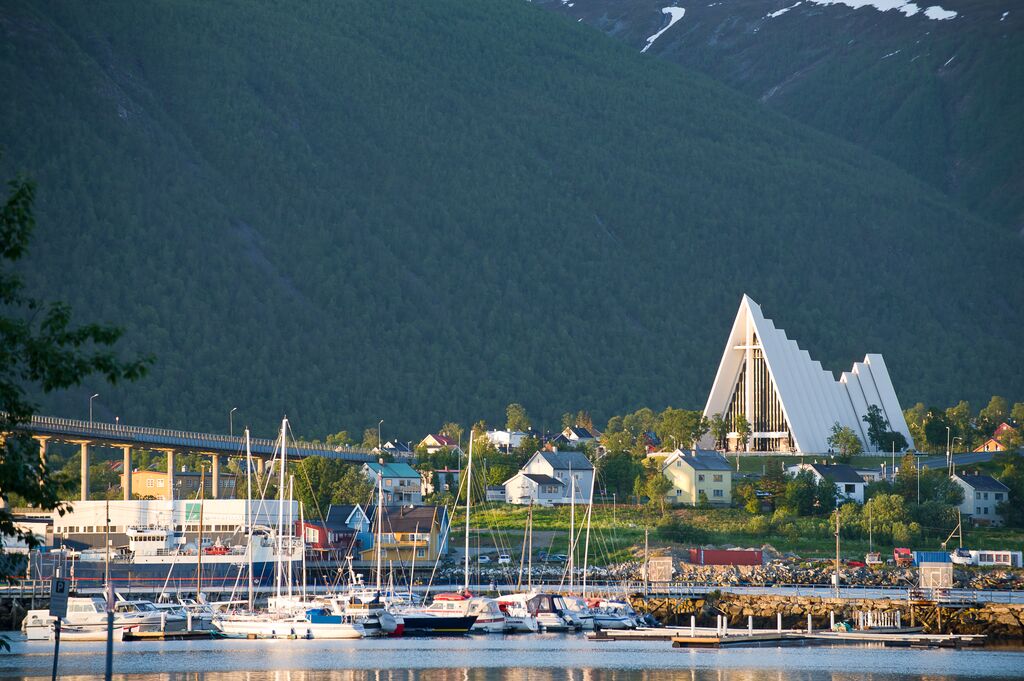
<point>940,98</point>
<point>354,211</point>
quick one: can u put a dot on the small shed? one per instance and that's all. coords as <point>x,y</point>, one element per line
<point>935,569</point>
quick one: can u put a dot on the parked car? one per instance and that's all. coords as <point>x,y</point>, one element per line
<point>504,559</point>
<point>483,558</point>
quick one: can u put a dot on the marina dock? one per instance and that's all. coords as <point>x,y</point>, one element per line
<point>709,637</point>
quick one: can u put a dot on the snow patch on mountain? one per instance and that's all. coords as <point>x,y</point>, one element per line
<point>779,13</point>
<point>674,14</point>
<point>907,8</point>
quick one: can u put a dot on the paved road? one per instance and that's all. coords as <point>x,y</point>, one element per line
<point>959,459</point>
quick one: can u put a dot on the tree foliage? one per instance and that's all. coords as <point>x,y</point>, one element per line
<point>40,349</point>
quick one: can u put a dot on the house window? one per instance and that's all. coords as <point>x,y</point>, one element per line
<point>986,510</point>
<point>160,482</point>
<point>421,553</point>
<point>977,509</point>
<point>717,493</point>
<point>986,496</point>
<point>977,495</point>
<point>700,477</point>
<point>999,496</point>
<point>717,477</point>
<point>850,488</point>
<point>678,492</point>
<point>679,464</point>
<point>150,483</point>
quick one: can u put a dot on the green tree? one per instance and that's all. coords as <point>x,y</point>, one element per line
<point>1017,414</point>
<point>845,442</point>
<point>516,418</point>
<point>351,487</point>
<point>453,430</point>
<point>656,485</point>
<point>743,431</point>
<point>877,425</point>
<point>800,494</point>
<point>935,429</point>
<point>40,349</point>
<point>1012,476</point>
<point>960,420</point>
<point>339,439</point>
<point>371,438</point>
<point>719,430</point>
<point>995,412</point>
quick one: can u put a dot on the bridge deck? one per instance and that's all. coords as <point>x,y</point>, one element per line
<point>139,437</point>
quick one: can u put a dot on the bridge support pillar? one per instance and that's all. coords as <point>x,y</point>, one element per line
<point>215,492</point>
<point>170,474</point>
<point>85,470</point>
<point>43,441</point>
<point>126,485</point>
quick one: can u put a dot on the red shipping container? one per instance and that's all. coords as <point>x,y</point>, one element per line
<point>725,557</point>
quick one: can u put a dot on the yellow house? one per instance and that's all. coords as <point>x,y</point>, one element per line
<point>697,472</point>
<point>186,485</point>
<point>409,532</point>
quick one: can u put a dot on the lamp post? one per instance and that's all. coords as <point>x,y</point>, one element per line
<point>949,454</point>
<point>380,441</point>
<point>90,407</point>
<point>231,421</point>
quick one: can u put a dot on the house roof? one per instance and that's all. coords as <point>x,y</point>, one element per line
<point>442,440</point>
<point>394,470</point>
<point>579,431</point>
<point>983,483</point>
<point>409,518</point>
<point>543,479</point>
<point>836,472</point>
<point>563,461</point>
<point>397,446</point>
<point>1004,427</point>
<point>701,460</point>
<point>338,515</point>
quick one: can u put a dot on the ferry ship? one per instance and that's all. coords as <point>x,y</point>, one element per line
<point>158,557</point>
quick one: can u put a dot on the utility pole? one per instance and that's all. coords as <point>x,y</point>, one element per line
<point>647,560</point>
<point>837,552</point>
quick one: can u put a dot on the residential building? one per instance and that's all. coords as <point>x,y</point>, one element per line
<point>991,445</point>
<point>506,438</point>
<point>440,480</point>
<point>344,532</point>
<point>577,436</point>
<point>697,476</point>
<point>789,400</point>
<point>552,477</point>
<point>982,496</point>
<point>399,450</point>
<point>436,442</point>
<point>409,533</point>
<point>495,493</point>
<point>186,485</point>
<point>849,483</point>
<point>401,482</point>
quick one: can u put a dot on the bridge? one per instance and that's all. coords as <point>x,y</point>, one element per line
<point>91,434</point>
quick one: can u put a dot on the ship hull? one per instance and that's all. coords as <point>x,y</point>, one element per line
<point>217,575</point>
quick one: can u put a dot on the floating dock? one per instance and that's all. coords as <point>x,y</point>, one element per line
<point>168,635</point>
<point>709,637</point>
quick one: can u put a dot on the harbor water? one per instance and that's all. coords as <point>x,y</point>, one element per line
<point>549,657</point>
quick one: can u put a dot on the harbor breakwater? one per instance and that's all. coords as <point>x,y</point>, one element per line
<point>996,620</point>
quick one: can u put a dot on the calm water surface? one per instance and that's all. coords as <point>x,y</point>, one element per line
<point>537,658</point>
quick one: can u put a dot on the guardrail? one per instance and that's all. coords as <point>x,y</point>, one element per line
<point>147,437</point>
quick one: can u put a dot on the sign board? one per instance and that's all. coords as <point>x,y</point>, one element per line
<point>661,569</point>
<point>59,597</point>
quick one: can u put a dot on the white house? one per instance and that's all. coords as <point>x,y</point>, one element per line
<point>578,435</point>
<point>401,482</point>
<point>849,484</point>
<point>982,496</point>
<point>506,438</point>
<point>552,478</point>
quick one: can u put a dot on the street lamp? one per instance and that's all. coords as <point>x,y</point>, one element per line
<point>231,421</point>
<point>90,408</point>
<point>948,453</point>
<point>380,442</point>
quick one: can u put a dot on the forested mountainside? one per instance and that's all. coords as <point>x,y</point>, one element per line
<point>936,89</point>
<point>353,211</point>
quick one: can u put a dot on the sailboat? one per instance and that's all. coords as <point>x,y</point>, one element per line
<point>287,617</point>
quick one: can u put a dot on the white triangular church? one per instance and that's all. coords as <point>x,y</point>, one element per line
<point>790,402</point>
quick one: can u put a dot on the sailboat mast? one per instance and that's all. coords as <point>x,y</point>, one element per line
<point>380,521</point>
<point>572,528</point>
<point>529,558</point>
<point>291,538</point>
<point>278,568</point>
<point>469,494</point>
<point>586,545</point>
<point>248,508</point>
<point>199,550</point>
<point>302,545</point>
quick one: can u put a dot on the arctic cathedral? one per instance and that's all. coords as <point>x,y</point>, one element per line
<point>790,402</point>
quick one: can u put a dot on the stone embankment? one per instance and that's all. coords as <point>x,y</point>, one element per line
<point>1001,621</point>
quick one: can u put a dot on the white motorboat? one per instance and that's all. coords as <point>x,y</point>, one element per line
<point>87,614</point>
<point>489,617</point>
<point>548,609</point>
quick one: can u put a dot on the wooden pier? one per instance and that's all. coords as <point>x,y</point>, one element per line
<point>708,637</point>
